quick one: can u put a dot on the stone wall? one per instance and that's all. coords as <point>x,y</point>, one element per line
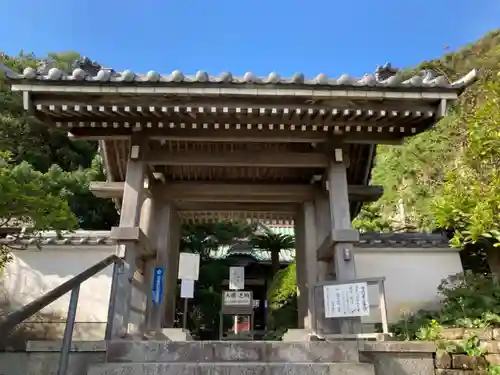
<point>467,351</point>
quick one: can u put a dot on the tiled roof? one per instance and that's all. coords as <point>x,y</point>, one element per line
<point>80,237</point>
<point>384,77</point>
<point>367,240</point>
<point>408,240</point>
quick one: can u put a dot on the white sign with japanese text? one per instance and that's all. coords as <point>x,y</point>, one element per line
<point>346,300</point>
<point>189,266</point>
<point>239,298</point>
<point>236,278</point>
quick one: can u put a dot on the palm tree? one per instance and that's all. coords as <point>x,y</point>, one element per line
<point>274,243</point>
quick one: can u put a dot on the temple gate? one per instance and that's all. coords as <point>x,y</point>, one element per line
<point>192,148</point>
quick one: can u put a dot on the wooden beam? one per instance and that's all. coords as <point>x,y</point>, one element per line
<point>187,206</point>
<point>241,135</point>
<point>205,190</point>
<point>80,102</point>
<point>267,159</point>
<point>218,192</point>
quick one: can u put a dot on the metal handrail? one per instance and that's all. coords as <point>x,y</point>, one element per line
<point>8,323</point>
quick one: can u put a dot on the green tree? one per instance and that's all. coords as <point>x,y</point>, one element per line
<point>432,169</point>
<point>31,198</point>
<point>42,146</point>
<point>274,243</point>
<point>370,219</point>
<point>282,298</point>
<point>469,201</point>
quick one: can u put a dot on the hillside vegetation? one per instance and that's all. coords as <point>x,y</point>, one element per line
<point>448,178</point>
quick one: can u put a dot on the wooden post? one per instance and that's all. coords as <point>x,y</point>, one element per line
<point>172,273</point>
<point>301,269</point>
<point>342,232</point>
<point>311,263</point>
<point>129,218</point>
<point>162,241</point>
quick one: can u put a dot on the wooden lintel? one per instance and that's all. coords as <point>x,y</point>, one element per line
<point>217,192</point>
<point>188,206</point>
<point>241,135</point>
<point>267,159</point>
<point>123,235</point>
<point>179,190</point>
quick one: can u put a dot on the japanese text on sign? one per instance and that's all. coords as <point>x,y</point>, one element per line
<point>237,298</point>
<point>158,285</point>
<point>236,278</point>
<point>346,300</point>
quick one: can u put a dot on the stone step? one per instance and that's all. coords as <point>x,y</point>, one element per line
<point>228,351</point>
<point>225,368</point>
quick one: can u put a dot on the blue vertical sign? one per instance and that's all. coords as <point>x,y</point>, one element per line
<point>158,285</point>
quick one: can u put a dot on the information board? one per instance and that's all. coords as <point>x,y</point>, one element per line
<point>236,278</point>
<point>346,300</point>
<point>239,298</point>
<point>187,288</point>
<point>189,266</point>
<point>158,285</point>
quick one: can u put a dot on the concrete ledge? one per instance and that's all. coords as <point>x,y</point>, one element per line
<point>76,346</point>
<point>397,346</point>
<point>232,351</point>
<point>232,368</point>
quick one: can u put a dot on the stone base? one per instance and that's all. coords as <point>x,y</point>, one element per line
<point>206,357</point>
<point>293,335</point>
<point>169,334</point>
<point>233,369</point>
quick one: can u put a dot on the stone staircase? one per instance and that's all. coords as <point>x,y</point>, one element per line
<point>231,358</point>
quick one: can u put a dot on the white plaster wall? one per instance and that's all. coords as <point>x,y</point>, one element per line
<point>33,273</point>
<point>411,276</point>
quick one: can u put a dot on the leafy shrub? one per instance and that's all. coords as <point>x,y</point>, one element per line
<point>282,299</point>
<point>468,297</point>
<point>469,300</point>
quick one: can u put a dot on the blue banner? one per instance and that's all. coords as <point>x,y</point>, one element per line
<point>158,285</point>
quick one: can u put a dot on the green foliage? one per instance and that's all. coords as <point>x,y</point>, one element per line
<point>467,297</point>
<point>282,300</point>
<point>468,301</point>
<point>28,140</point>
<point>430,332</point>
<point>447,177</point>
<point>274,243</point>
<point>470,345</point>
<point>370,219</point>
<point>469,202</point>
<point>33,198</point>
<point>204,238</point>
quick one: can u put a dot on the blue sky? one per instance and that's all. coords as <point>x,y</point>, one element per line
<point>311,36</point>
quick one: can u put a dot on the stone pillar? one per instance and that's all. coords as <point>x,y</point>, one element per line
<point>129,250</point>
